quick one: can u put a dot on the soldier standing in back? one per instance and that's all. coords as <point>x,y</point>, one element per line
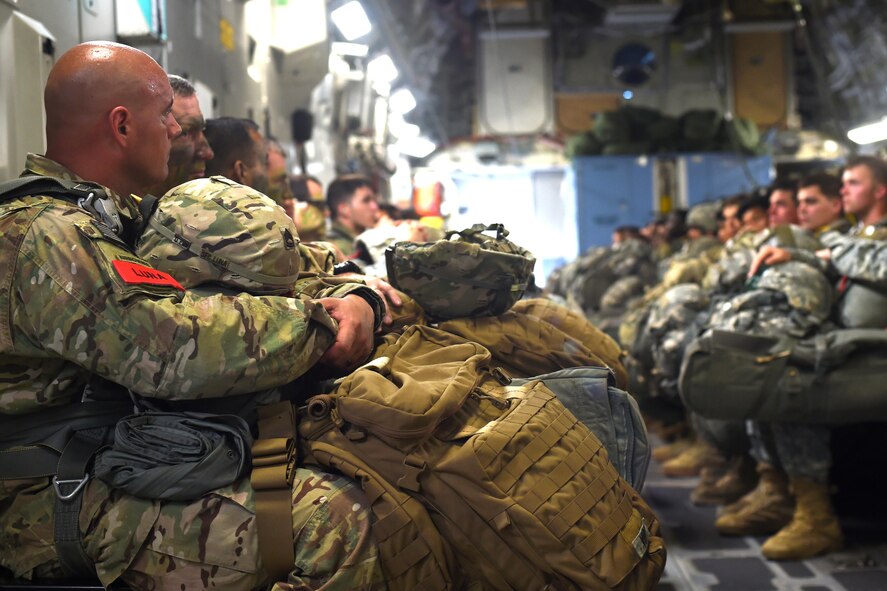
<point>109,120</point>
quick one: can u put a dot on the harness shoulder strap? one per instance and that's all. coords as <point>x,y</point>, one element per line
<point>90,197</point>
<point>46,185</point>
<point>147,205</point>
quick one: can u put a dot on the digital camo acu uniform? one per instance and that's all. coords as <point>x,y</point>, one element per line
<point>67,312</point>
<point>857,256</point>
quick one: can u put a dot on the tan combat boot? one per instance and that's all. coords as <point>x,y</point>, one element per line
<point>736,479</point>
<point>765,510</point>
<point>663,453</point>
<point>814,528</point>
<point>691,461</point>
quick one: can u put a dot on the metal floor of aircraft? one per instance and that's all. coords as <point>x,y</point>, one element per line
<point>699,559</point>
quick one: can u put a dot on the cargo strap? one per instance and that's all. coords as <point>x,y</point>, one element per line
<point>274,467</point>
<point>60,443</point>
<point>72,476</point>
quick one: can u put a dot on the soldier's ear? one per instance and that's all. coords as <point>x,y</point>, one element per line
<point>237,170</point>
<point>119,122</point>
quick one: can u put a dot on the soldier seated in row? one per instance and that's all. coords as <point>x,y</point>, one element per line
<point>80,305</point>
<point>799,510</point>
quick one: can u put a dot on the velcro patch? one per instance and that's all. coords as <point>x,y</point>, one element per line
<point>134,274</point>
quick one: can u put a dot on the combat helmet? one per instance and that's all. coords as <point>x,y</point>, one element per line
<point>217,231</point>
<point>468,274</point>
<point>805,287</point>
<point>704,216</point>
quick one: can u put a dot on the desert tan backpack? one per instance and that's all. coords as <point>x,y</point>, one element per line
<point>577,326</point>
<point>478,483</point>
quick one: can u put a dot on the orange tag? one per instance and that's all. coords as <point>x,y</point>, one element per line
<point>133,274</point>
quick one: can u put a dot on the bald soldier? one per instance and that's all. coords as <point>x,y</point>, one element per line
<point>83,318</point>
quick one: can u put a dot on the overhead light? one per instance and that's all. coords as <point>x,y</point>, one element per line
<point>869,134</point>
<point>417,147</point>
<point>830,146</point>
<point>400,128</point>
<point>351,20</point>
<point>382,88</point>
<point>402,101</point>
<point>382,69</point>
<point>355,49</point>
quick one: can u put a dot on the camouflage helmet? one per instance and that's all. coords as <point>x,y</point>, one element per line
<point>704,216</point>
<point>217,231</point>
<point>805,287</point>
<point>468,274</point>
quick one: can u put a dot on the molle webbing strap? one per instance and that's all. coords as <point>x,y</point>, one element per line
<point>401,526</point>
<point>274,467</point>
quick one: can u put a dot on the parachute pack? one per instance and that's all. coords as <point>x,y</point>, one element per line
<point>476,479</point>
<point>835,377</point>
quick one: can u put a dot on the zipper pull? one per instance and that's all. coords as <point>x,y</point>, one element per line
<point>501,376</point>
<point>498,403</point>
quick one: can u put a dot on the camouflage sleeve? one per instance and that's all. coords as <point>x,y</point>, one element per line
<point>809,258</point>
<point>314,286</point>
<point>316,258</point>
<point>71,300</point>
<point>858,258</point>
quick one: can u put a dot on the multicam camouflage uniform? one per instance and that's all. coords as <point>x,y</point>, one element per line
<point>342,237</point>
<point>311,221</point>
<point>68,313</point>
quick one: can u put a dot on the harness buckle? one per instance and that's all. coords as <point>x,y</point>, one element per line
<point>59,483</point>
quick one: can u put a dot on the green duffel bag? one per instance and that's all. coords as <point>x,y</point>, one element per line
<point>468,274</point>
<point>833,378</point>
<point>742,134</point>
<point>627,148</point>
<point>641,119</point>
<point>583,144</point>
<point>701,125</point>
<point>665,130</point>
<point>612,127</point>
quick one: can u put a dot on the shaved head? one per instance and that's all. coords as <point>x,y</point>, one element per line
<point>108,115</point>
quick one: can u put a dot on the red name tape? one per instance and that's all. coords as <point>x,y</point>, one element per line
<point>135,274</point>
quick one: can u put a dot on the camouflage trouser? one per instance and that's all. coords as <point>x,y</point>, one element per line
<point>796,449</point>
<point>763,448</point>
<point>212,543</point>
<point>804,450</point>
<point>729,437</point>
<point>208,543</point>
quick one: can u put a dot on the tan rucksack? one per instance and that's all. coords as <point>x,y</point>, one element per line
<point>475,483</point>
<point>577,326</point>
<point>522,344</point>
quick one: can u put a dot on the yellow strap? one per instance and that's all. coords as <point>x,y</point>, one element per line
<point>274,461</point>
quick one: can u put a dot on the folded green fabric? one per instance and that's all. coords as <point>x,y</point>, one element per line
<point>175,456</point>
